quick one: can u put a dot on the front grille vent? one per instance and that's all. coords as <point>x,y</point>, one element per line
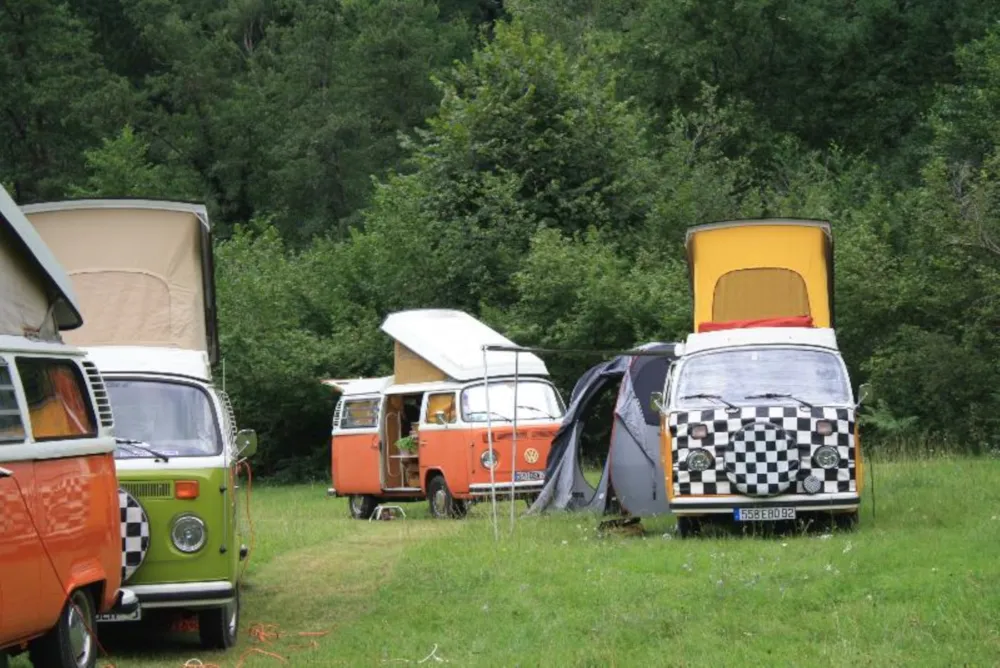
<point>148,490</point>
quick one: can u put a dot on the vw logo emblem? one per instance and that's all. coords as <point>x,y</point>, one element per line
<point>531,455</point>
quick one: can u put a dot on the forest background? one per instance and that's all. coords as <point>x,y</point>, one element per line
<point>535,164</point>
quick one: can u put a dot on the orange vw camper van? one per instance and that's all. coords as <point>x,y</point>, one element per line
<point>426,431</point>
<point>60,528</point>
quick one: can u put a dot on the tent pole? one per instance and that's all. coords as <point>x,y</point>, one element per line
<point>489,432</point>
<point>513,447</point>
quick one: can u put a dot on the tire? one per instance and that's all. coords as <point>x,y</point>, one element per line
<point>442,504</point>
<point>218,628</point>
<point>688,527</point>
<point>531,498</point>
<point>846,521</point>
<point>72,642</point>
<point>361,506</point>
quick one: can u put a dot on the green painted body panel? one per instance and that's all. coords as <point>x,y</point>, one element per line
<point>217,509</point>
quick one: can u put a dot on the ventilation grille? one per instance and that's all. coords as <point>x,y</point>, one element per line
<point>338,413</point>
<point>100,395</point>
<point>148,490</point>
<point>228,417</point>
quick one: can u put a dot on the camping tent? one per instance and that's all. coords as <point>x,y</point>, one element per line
<point>632,478</point>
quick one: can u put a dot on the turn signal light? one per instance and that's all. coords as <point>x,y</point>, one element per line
<point>186,489</point>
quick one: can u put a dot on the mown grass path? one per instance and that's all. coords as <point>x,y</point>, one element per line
<point>921,586</point>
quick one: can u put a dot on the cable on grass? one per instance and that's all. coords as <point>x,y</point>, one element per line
<point>432,655</point>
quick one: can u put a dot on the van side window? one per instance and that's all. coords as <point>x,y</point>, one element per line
<point>360,414</point>
<point>58,402</point>
<point>445,403</point>
<point>11,427</point>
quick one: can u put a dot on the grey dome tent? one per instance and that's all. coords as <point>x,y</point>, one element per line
<point>632,481</point>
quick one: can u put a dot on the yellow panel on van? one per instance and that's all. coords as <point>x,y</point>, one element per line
<point>761,269</point>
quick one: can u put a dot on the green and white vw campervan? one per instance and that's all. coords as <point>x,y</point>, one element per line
<point>143,270</point>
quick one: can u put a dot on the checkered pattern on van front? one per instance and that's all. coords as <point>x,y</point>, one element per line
<point>799,425</point>
<point>761,459</point>
<point>135,533</point>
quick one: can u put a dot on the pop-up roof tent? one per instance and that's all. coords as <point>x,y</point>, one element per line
<point>143,270</point>
<point>632,478</point>
<point>774,272</point>
<point>436,345</point>
<point>36,295</point>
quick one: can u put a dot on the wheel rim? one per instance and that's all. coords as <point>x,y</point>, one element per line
<point>356,504</point>
<point>440,502</point>
<point>80,640</point>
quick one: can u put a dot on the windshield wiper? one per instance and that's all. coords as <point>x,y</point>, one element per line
<point>538,410</point>
<point>709,396</point>
<point>141,445</point>
<point>775,395</point>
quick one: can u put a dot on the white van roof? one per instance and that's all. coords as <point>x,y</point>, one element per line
<point>453,342</point>
<point>820,337</point>
<point>356,386</point>
<point>67,308</point>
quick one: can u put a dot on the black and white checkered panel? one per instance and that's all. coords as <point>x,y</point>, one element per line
<point>798,424</point>
<point>135,533</point>
<point>761,459</point>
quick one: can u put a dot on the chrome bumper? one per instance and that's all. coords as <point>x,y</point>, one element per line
<point>726,504</point>
<point>185,594</point>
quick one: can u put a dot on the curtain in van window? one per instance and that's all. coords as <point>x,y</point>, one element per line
<point>56,404</point>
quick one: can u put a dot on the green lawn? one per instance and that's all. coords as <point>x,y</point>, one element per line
<point>921,586</point>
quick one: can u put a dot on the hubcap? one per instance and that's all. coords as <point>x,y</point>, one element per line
<point>440,502</point>
<point>80,640</point>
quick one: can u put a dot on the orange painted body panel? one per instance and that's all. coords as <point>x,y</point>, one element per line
<point>74,504</point>
<point>453,451</point>
<point>355,460</point>
<point>535,438</point>
<point>447,451</point>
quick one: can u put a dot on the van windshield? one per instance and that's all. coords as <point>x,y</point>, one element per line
<point>813,376</point>
<point>175,419</point>
<point>535,401</point>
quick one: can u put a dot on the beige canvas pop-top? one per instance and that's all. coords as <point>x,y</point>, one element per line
<point>142,270</point>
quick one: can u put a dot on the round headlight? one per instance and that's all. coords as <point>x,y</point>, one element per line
<point>827,457</point>
<point>488,459</point>
<point>188,533</point>
<point>700,460</point>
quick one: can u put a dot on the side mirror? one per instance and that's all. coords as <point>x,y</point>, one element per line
<point>864,393</point>
<point>656,401</point>
<point>246,442</point>
<point>440,417</point>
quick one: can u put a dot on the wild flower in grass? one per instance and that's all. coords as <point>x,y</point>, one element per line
<point>847,548</point>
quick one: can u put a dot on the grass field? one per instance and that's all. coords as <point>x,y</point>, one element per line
<point>918,586</point>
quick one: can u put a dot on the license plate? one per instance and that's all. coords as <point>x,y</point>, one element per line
<point>763,514</point>
<point>522,476</point>
<point>120,617</point>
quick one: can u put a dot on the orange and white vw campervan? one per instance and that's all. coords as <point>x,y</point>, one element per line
<point>451,425</point>
<point>61,534</point>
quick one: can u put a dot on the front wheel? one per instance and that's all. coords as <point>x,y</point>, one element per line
<point>362,505</point>
<point>218,627</point>
<point>71,643</point>
<point>443,504</point>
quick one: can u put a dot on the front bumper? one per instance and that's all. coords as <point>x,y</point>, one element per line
<point>726,504</point>
<point>185,594</point>
<point>521,488</point>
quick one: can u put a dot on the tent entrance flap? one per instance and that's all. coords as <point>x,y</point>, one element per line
<point>632,477</point>
<point>761,269</point>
